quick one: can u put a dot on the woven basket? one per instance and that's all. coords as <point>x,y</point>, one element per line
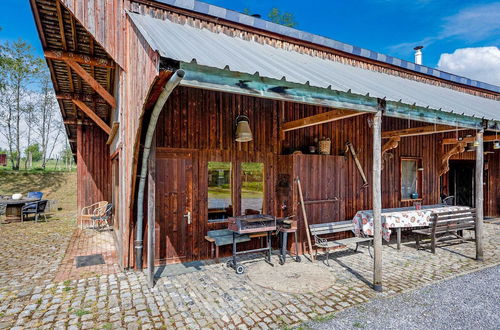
<point>325,146</point>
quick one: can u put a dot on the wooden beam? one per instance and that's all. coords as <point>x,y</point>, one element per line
<point>81,97</point>
<point>423,130</point>
<point>479,190</point>
<point>77,122</point>
<point>393,143</point>
<point>489,138</point>
<point>79,58</point>
<point>92,82</point>
<point>61,25</point>
<point>92,115</point>
<point>114,130</point>
<point>319,119</point>
<point>457,149</point>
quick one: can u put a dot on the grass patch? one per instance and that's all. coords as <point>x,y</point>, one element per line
<point>358,324</point>
<point>324,318</point>
<point>107,326</point>
<point>81,312</point>
<point>67,288</point>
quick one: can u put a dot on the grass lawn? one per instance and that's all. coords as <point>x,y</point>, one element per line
<point>52,166</point>
<point>59,186</point>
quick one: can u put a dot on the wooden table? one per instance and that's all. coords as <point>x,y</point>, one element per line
<point>13,213</point>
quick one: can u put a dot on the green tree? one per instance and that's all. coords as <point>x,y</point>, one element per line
<point>286,19</point>
<point>19,69</point>
<point>36,153</point>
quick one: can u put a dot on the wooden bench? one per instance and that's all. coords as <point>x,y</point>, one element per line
<point>447,224</point>
<point>330,228</point>
<point>223,237</point>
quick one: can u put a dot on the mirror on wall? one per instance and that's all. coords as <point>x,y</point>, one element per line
<point>252,188</point>
<point>220,205</point>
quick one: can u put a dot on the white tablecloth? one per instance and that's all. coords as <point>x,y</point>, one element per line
<point>406,217</point>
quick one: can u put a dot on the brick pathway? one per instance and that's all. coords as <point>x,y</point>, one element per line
<point>218,298</point>
<point>88,242</point>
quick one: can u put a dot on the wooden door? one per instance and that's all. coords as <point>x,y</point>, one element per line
<point>174,190</point>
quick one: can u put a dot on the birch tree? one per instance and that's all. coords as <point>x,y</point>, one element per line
<point>19,70</point>
<point>49,120</point>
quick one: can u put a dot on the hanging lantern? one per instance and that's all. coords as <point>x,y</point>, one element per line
<point>496,145</point>
<point>243,132</point>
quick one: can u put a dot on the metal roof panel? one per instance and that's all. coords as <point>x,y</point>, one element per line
<point>183,42</point>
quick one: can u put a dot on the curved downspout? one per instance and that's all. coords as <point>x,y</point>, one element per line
<point>162,99</point>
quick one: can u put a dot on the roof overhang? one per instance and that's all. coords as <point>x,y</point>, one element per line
<point>204,77</point>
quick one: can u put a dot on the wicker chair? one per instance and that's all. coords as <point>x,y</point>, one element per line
<point>103,218</point>
<point>94,210</point>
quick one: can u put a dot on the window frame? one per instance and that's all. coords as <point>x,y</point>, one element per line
<point>419,178</point>
<point>231,191</point>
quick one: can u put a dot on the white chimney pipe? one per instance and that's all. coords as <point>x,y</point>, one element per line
<point>418,55</point>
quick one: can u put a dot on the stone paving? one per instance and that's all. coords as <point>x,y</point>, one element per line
<point>89,242</point>
<point>213,298</point>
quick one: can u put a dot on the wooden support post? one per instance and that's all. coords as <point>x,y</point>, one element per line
<point>377,201</point>
<point>479,195</point>
<point>151,217</point>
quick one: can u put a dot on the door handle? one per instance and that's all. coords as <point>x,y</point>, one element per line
<point>188,216</point>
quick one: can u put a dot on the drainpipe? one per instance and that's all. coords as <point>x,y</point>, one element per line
<point>167,90</point>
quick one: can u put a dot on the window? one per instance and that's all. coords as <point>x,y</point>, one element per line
<point>411,178</point>
<point>219,191</point>
<point>252,188</point>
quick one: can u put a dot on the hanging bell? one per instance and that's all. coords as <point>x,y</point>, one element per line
<point>243,132</point>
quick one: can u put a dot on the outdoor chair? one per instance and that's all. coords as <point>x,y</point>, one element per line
<point>35,194</point>
<point>32,207</point>
<point>103,218</point>
<point>94,210</point>
<point>448,200</point>
<point>3,209</point>
<point>37,210</point>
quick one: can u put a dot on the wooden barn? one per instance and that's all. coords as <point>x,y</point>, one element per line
<point>183,114</point>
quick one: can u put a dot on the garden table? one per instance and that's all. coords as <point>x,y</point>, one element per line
<point>397,218</point>
<point>13,213</point>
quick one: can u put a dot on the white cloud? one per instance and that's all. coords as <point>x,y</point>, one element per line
<point>472,24</point>
<point>480,63</point>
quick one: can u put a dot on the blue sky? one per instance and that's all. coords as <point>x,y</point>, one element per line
<point>392,27</point>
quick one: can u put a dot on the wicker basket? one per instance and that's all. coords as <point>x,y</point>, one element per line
<point>325,146</point>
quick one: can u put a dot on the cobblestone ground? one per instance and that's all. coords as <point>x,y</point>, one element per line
<point>212,298</point>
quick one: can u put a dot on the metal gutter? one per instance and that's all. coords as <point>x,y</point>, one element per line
<point>167,90</point>
<point>254,85</point>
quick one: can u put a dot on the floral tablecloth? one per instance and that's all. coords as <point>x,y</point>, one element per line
<point>406,217</point>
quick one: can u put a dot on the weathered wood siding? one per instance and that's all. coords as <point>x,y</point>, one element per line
<point>93,166</point>
<point>201,123</point>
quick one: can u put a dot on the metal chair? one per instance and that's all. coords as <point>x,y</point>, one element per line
<point>90,211</point>
<point>38,210</point>
<point>3,209</point>
<point>448,200</point>
<point>35,194</point>
<point>103,218</point>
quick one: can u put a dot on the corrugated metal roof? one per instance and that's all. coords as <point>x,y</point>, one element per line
<point>185,43</point>
<point>258,23</point>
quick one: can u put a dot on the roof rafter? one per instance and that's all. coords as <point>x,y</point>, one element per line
<point>322,118</point>
<point>470,139</point>
<point>422,130</point>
